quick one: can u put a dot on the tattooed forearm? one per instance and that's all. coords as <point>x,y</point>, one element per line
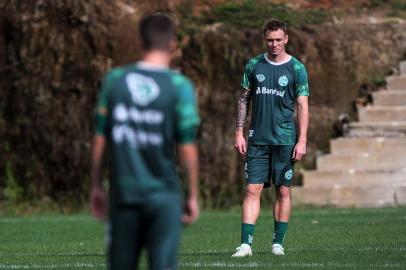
<point>243,104</point>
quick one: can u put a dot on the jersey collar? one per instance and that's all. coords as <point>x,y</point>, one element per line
<point>148,66</point>
<point>274,63</point>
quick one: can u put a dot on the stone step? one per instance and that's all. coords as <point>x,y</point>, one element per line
<point>367,168</point>
<point>402,67</point>
<point>382,113</point>
<point>397,82</point>
<point>361,161</point>
<point>355,178</point>
<point>349,196</point>
<point>376,129</point>
<point>400,195</point>
<point>389,98</point>
<point>346,145</point>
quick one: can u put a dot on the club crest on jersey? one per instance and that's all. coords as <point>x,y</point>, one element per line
<point>283,80</point>
<point>260,77</point>
<point>289,174</point>
<point>143,89</point>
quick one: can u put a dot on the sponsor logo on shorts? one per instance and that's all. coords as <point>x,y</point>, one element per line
<point>283,80</point>
<point>250,133</point>
<point>289,174</point>
<point>260,77</point>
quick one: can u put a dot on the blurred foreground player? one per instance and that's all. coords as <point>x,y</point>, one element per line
<point>144,111</point>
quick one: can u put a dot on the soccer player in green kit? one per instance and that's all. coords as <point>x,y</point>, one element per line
<point>275,81</point>
<point>144,111</point>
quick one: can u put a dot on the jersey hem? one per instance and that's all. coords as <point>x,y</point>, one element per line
<point>267,143</point>
<point>100,133</point>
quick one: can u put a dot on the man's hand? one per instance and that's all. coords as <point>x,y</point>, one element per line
<point>303,122</point>
<point>98,203</point>
<point>97,194</point>
<point>240,144</point>
<point>299,151</point>
<point>191,212</point>
<point>190,161</point>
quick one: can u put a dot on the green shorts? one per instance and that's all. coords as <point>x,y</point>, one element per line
<point>154,225</point>
<point>269,162</point>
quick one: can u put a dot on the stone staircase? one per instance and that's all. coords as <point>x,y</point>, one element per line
<point>367,167</point>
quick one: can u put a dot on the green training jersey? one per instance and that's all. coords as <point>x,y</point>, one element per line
<point>274,89</point>
<point>143,111</point>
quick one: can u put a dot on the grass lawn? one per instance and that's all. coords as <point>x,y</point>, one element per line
<point>317,239</point>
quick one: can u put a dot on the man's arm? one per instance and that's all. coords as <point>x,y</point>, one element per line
<point>242,111</point>
<point>303,122</point>
<point>97,194</point>
<point>189,159</point>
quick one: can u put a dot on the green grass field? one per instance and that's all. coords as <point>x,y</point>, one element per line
<point>317,239</point>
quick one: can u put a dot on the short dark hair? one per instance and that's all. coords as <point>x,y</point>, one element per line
<point>156,31</point>
<point>273,25</point>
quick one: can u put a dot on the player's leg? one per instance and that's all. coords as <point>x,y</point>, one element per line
<point>282,173</point>
<point>163,230</point>
<point>257,167</point>
<point>250,212</point>
<point>282,211</point>
<point>282,207</point>
<point>124,238</point>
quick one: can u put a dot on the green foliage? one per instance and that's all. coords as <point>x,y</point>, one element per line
<point>251,13</point>
<point>398,9</point>
<point>248,14</point>
<point>393,8</point>
<point>377,3</point>
<point>399,5</point>
<point>189,24</point>
<point>316,239</point>
<point>186,20</point>
<point>378,80</point>
<point>393,4</point>
<point>31,207</point>
<point>12,192</point>
<point>397,14</point>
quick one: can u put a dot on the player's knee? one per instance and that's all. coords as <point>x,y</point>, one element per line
<point>254,190</point>
<point>284,192</point>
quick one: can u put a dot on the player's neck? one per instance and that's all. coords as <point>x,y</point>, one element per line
<point>157,58</point>
<point>282,57</point>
